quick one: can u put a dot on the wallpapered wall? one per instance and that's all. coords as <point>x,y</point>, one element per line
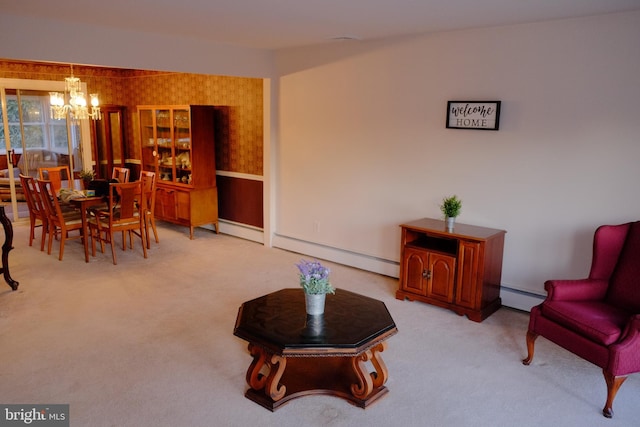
<point>239,147</point>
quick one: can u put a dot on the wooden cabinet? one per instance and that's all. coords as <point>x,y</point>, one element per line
<point>459,269</point>
<point>177,143</point>
<point>108,136</point>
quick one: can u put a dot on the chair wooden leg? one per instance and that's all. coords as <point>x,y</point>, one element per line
<point>155,231</point>
<point>32,231</point>
<point>45,232</point>
<point>613,384</point>
<point>51,233</point>
<point>92,236</point>
<point>113,248</point>
<point>63,237</point>
<point>146,229</point>
<point>531,340</point>
<point>145,243</point>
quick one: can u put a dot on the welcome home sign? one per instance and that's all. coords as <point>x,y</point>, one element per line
<point>483,115</point>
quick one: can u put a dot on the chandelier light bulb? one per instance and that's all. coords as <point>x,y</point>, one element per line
<point>80,100</point>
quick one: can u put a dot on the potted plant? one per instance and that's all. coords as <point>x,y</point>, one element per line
<point>451,207</point>
<point>86,175</point>
<point>314,280</point>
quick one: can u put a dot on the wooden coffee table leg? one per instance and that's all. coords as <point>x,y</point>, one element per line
<point>381,373</point>
<point>274,366</point>
<point>369,381</point>
<point>273,389</point>
<point>255,378</point>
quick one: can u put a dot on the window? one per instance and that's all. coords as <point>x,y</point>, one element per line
<point>31,126</point>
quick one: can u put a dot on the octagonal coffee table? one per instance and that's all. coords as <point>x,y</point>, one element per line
<point>296,355</point>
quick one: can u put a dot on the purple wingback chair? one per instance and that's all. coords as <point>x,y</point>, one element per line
<point>598,318</point>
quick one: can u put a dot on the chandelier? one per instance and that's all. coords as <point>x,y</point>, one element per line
<point>77,106</point>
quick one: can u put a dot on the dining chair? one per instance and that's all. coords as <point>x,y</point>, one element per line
<point>125,214</point>
<point>56,174</point>
<point>121,174</point>
<point>58,222</point>
<point>148,180</point>
<point>37,214</point>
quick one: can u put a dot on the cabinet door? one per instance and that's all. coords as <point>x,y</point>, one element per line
<point>441,276</point>
<point>468,277</point>
<point>165,204</point>
<point>415,268</point>
<point>148,141</point>
<point>183,206</point>
<point>165,138</point>
<point>430,274</point>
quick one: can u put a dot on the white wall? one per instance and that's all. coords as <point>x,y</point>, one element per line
<point>363,145</point>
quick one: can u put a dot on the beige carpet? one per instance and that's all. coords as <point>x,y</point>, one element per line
<point>150,343</point>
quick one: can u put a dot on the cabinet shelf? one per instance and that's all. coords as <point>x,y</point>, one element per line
<point>436,244</point>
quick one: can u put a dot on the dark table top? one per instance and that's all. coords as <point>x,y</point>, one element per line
<point>352,323</point>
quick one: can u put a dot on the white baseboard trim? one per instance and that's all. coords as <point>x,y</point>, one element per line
<point>238,230</point>
<point>341,256</point>
<point>511,297</point>
<point>520,300</point>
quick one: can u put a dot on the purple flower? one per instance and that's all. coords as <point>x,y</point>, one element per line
<point>314,277</point>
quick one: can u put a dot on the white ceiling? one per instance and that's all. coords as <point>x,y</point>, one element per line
<point>277,24</point>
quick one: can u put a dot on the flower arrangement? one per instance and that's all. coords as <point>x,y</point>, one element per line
<point>314,278</point>
<point>86,174</point>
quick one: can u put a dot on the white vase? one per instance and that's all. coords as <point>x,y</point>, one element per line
<point>314,303</point>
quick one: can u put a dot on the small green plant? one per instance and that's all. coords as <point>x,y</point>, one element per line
<point>86,175</point>
<point>451,206</point>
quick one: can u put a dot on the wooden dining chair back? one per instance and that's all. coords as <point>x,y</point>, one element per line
<point>57,175</point>
<point>121,174</point>
<point>148,180</point>
<point>37,215</point>
<point>125,214</point>
<point>58,222</point>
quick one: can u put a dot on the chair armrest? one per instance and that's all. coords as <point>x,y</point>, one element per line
<point>576,290</point>
<point>632,330</point>
<point>623,359</point>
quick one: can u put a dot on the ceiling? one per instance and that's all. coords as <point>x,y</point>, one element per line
<point>278,24</point>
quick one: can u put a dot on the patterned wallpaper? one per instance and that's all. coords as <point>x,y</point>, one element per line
<point>239,144</point>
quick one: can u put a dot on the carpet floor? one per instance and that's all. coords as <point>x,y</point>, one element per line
<point>149,342</point>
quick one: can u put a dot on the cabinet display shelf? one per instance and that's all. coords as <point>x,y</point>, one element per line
<point>178,144</point>
<point>459,269</point>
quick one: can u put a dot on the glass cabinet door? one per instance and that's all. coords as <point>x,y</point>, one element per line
<point>164,136</point>
<point>166,143</point>
<point>148,141</point>
<point>182,146</point>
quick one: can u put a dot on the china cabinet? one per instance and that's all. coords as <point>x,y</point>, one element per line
<point>178,144</point>
<point>458,269</point>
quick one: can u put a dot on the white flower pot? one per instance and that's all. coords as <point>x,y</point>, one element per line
<point>451,221</point>
<point>315,303</point>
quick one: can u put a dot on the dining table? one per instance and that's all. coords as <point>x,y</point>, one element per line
<point>84,203</point>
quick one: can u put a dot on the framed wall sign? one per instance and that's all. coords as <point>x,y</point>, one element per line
<point>483,115</point>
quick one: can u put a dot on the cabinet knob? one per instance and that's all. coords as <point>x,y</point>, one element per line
<point>426,274</point>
